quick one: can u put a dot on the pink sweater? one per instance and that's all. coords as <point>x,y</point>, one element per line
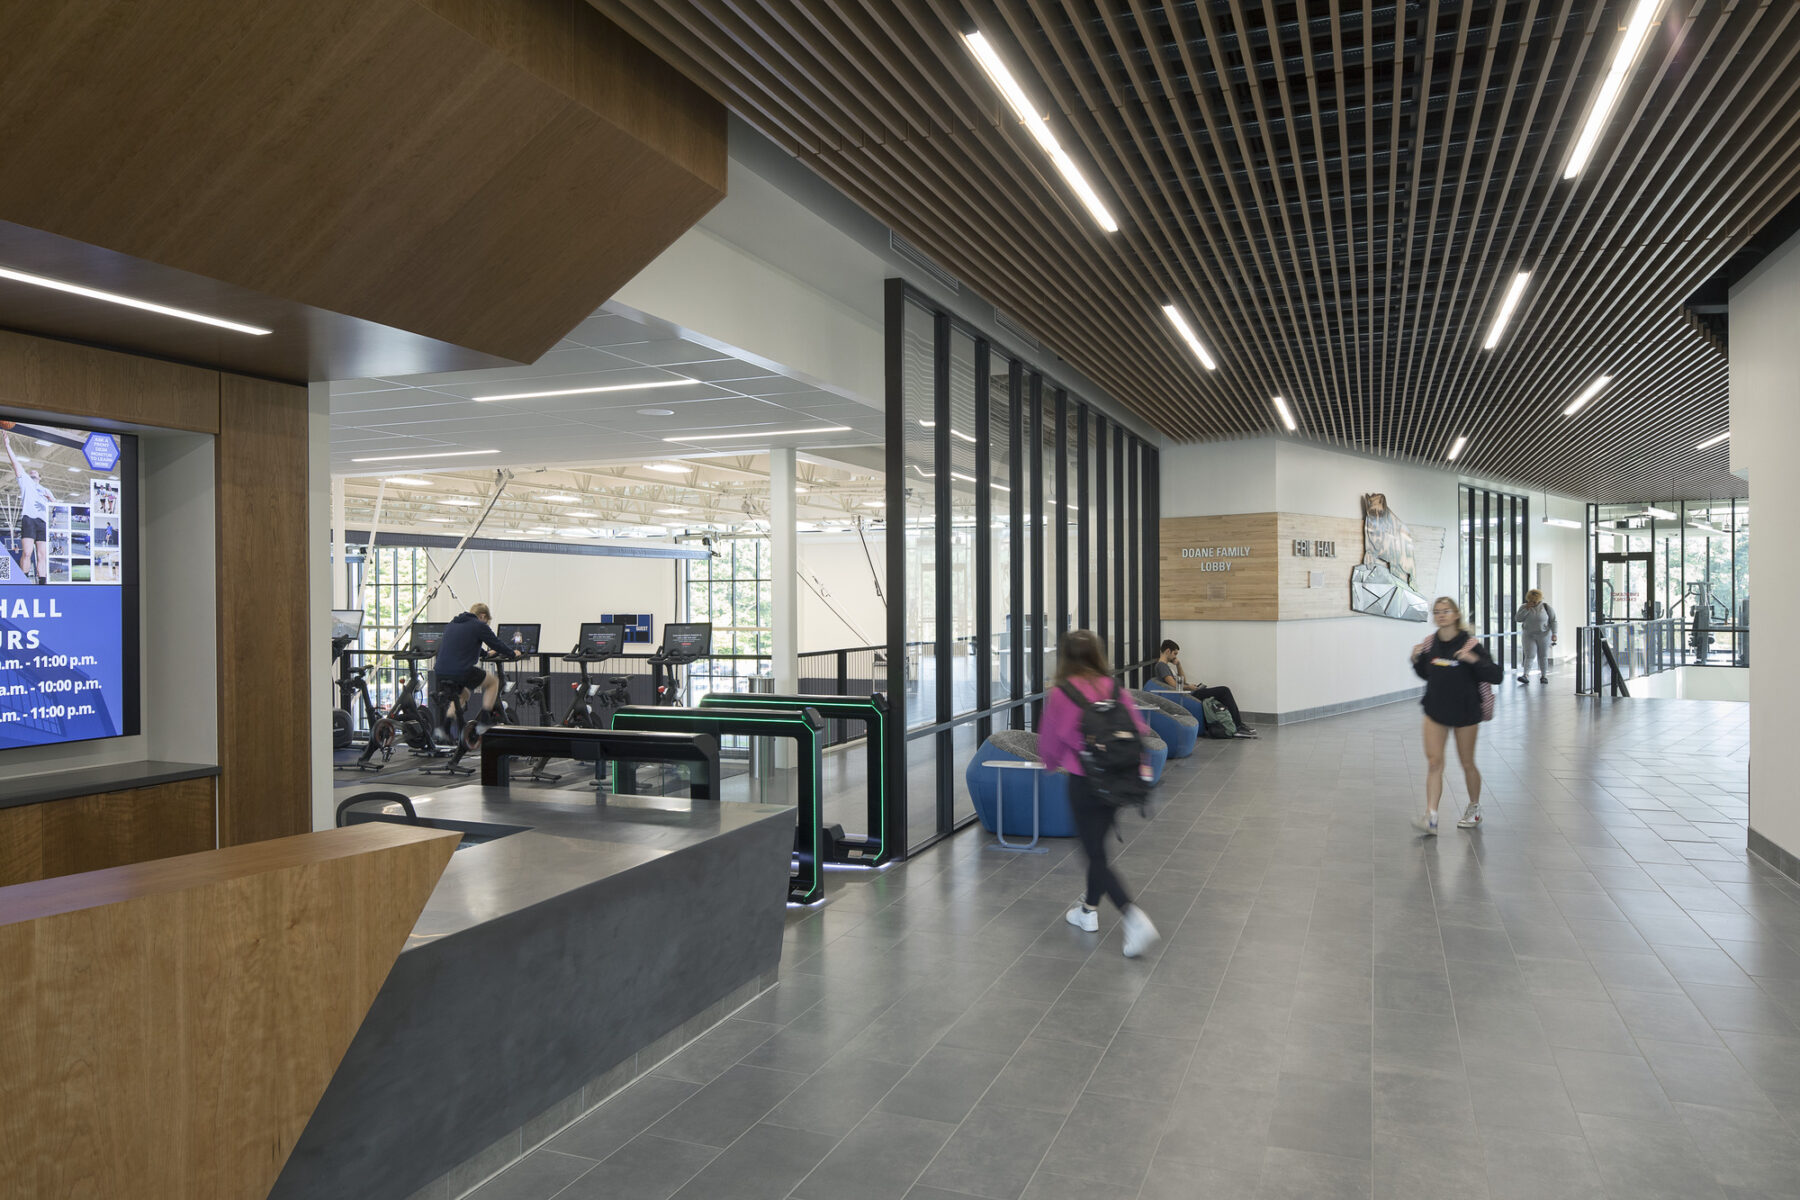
<point>1059,738</point>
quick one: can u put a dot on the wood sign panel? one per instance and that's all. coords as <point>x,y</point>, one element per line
<point>1250,567</point>
<point>1219,568</point>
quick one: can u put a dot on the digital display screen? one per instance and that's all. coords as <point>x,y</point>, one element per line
<point>693,640</point>
<point>68,584</point>
<point>346,624</point>
<point>426,635</point>
<point>601,637</point>
<point>520,639</point>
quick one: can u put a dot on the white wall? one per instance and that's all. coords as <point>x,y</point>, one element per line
<point>839,563</point>
<point>322,573</point>
<point>1291,666</point>
<point>1765,437</point>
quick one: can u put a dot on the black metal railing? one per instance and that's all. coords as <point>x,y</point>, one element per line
<point>1648,647</point>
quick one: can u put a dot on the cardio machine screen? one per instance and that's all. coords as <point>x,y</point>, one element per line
<point>68,584</point>
<point>346,624</point>
<point>601,637</point>
<point>694,640</point>
<point>426,635</point>
<point>520,639</point>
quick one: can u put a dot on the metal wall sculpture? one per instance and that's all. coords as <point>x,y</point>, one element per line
<point>1382,584</point>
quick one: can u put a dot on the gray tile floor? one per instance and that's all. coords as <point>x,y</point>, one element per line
<point>1597,994</point>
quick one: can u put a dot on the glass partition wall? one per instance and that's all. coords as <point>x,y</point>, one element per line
<point>1017,509</point>
<point>1681,563</point>
<point>1495,566</point>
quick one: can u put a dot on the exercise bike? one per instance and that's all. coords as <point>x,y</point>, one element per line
<point>408,720</point>
<point>355,691</point>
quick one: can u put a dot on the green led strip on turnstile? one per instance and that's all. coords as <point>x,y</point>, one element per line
<point>676,716</point>
<point>873,716</point>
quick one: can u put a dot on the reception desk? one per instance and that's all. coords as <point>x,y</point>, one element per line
<point>550,964</point>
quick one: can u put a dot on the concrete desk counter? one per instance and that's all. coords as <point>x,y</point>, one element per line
<point>546,966</point>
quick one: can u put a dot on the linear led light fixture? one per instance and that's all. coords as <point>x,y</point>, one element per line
<point>954,431</point>
<point>1637,28</point>
<point>1287,418</point>
<point>1506,309</point>
<point>1457,449</point>
<point>1593,389</point>
<point>1561,522</point>
<point>433,454</point>
<point>1710,442</point>
<point>667,468</point>
<point>1015,97</point>
<point>407,481</point>
<point>75,289</point>
<point>772,433</point>
<point>591,391</point>
<point>1661,514</point>
<point>1189,336</point>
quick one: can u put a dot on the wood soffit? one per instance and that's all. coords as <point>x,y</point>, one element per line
<point>1338,193</point>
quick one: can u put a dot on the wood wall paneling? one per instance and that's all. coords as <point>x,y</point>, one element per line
<point>484,175</point>
<point>1298,600</point>
<point>104,385</point>
<point>1204,584</point>
<point>112,829</point>
<point>265,687</point>
<point>167,1029</point>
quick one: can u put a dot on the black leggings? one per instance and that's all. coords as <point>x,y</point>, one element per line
<point>1093,821</point>
<point>1223,696</point>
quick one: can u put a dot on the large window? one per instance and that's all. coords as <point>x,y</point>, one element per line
<point>732,589</point>
<point>1495,566</point>
<point>1682,563</point>
<point>391,591</point>
<point>1012,499</point>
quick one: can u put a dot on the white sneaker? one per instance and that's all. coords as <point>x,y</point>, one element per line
<point>1140,934</point>
<point>1471,817</point>
<point>1083,918</point>
<point>1426,825</point>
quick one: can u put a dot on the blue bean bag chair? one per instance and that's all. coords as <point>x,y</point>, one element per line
<point>1164,691</point>
<point>1169,721</point>
<point>986,785</point>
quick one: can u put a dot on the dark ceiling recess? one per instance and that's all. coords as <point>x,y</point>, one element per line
<point>1339,193</point>
<point>1709,307</point>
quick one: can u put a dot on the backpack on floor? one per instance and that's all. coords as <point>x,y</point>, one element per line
<point>1218,719</point>
<point>1112,751</point>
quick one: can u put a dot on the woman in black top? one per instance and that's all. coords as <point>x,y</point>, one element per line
<point>1454,664</point>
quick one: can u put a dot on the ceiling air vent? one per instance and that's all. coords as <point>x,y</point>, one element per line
<point>916,257</point>
<point>1025,336</point>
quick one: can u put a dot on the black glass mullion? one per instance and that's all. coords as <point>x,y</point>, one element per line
<point>1152,540</point>
<point>1133,569</point>
<point>982,660</point>
<point>1084,507</point>
<point>894,366</point>
<point>1102,505</point>
<point>1034,439</point>
<point>1118,540</point>
<point>1060,530</point>
<point>943,643</point>
<point>1015,424</point>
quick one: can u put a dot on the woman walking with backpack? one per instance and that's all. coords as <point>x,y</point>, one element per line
<point>1454,664</point>
<point>1084,688</point>
<point>1537,628</point>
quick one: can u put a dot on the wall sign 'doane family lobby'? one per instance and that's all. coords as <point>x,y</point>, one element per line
<point>1292,566</point>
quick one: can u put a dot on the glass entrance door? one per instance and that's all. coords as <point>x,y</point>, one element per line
<point>1622,587</point>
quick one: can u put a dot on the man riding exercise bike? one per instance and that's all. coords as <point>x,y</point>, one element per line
<point>458,658</point>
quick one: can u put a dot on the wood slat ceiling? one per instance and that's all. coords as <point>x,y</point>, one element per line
<point>1337,192</point>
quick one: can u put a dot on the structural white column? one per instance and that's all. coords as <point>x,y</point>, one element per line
<point>324,530</point>
<point>784,569</point>
<point>340,547</point>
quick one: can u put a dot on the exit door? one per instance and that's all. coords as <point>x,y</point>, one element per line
<point>1622,587</point>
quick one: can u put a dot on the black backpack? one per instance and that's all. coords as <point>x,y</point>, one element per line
<point>1112,752</point>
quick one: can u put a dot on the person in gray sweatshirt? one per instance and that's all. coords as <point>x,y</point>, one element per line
<point>1537,628</point>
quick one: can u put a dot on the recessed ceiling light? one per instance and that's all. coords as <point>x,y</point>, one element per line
<point>562,498</point>
<point>585,516</point>
<point>1593,389</point>
<point>75,289</point>
<point>1189,336</point>
<point>1513,292</point>
<point>461,502</point>
<point>656,412</point>
<point>1458,447</point>
<point>1637,28</point>
<point>407,480</point>
<point>1287,418</point>
<point>590,391</point>
<point>671,512</point>
<point>438,520</point>
<point>1039,129</point>
<point>772,433</point>
<point>1710,442</point>
<point>667,468</point>
<point>433,454</point>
